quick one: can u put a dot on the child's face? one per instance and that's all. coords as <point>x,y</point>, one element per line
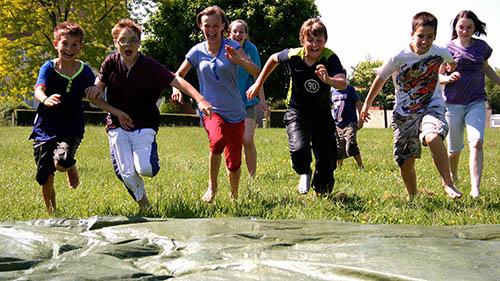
<point>238,32</point>
<point>212,27</point>
<point>127,43</point>
<point>68,47</point>
<point>465,28</point>
<point>422,39</point>
<point>313,46</point>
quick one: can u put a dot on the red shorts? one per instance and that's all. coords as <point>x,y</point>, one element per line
<point>225,137</point>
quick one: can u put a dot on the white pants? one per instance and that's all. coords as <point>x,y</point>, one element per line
<point>134,154</point>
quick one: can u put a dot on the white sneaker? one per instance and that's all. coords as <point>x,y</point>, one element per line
<point>452,192</point>
<point>304,183</point>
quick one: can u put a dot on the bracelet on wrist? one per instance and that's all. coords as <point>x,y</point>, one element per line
<point>43,101</point>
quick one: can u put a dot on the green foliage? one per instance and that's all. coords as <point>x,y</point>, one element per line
<point>376,195</point>
<point>362,79</point>
<point>493,94</point>
<point>7,106</point>
<point>274,25</point>
<point>27,34</point>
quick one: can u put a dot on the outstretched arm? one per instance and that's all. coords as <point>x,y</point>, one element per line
<point>490,73</point>
<point>181,72</point>
<point>375,89</point>
<point>179,83</point>
<point>94,94</point>
<point>269,67</point>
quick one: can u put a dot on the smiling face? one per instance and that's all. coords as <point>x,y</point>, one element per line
<point>313,46</point>
<point>127,43</point>
<point>238,32</point>
<point>68,47</point>
<point>422,39</point>
<point>212,27</point>
<point>465,28</point>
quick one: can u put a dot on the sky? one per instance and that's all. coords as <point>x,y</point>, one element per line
<point>378,29</point>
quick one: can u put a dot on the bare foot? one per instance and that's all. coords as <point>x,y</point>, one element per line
<point>209,195</point>
<point>73,178</point>
<point>234,194</point>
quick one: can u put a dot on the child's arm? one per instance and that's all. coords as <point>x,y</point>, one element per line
<point>179,83</point>
<point>181,72</point>
<point>48,101</point>
<point>338,81</point>
<point>240,58</point>
<point>269,67</point>
<point>448,68</point>
<point>359,106</point>
<point>375,89</point>
<point>490,73</point>
<point>94,94</point>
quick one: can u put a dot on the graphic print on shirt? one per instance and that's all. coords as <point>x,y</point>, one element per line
<point>311,86</point>
<point>419,81</point>
<point>338,105</point>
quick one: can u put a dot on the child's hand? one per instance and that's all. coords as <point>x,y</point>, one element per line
<point>454,76</point>
<point>93,92</point>
<point>253,91</point>
<point>205,107</point>
<point>125,120</point>
<point>322,73</point>
<point>364,116</point>
<point>176,96</point>
<point>264,106</point>
<point>52,100</point>
<point>232,54</point>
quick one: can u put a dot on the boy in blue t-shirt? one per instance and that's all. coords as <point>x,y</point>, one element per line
<point>59,126</point>
<point>346,105</point>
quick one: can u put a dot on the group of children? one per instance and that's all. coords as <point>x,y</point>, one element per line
<point>129,84</point>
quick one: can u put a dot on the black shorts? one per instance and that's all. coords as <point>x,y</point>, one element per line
<point>46,153</point>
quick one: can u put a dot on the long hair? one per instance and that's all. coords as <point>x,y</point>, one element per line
<point>479,26</point>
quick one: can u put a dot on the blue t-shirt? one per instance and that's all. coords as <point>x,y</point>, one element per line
<point>66,118</point>
<point>245,79</point>
<point>217,78</point>
<point>344,106</point>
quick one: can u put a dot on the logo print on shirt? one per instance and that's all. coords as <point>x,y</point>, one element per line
<point>312,86</point>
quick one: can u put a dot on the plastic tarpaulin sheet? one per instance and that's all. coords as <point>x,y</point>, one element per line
<point>120,248</point>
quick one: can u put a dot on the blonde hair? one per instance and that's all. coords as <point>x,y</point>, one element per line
<point>126,23</point>
<point>68,28</point>
<point>312,27</point>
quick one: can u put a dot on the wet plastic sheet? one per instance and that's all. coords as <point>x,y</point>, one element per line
<point>111,248</point>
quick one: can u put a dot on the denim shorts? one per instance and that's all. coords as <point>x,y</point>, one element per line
<point>459,117</point>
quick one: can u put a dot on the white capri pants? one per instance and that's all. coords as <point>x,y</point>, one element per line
<point>134,154</point>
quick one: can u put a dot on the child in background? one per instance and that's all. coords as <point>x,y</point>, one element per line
<point>346,105</point>
<point>215,61</point>
<point>238,31</point>
<point>59,126</point>
<point>418,116</point>
<point>313,70</point>
<point>465,96</point>
<point>134,83</point>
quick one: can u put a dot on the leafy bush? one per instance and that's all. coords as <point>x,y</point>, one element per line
<point>7,106</point>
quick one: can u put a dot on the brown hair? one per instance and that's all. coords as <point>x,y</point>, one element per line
<point>312,27</point>
<point>213,10</point>
<point>125,23</point>
<point>68,28</point>
<point>479,26</point>
<point>424,19</point>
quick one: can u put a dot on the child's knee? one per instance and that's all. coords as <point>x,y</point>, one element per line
<point>476,144</point>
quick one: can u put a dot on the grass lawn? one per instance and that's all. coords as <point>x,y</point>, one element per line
<point>376,195</point>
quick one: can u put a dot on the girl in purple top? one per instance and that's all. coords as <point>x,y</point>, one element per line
<point>215,61</point>
<point>465,95</point>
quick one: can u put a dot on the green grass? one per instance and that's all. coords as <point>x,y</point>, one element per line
<point>376,195</point>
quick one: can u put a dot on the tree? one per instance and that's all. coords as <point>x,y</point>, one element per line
<point>26,34</point>
<point>493,94</point>
<point>362,79</point>
<point>274,25</point>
